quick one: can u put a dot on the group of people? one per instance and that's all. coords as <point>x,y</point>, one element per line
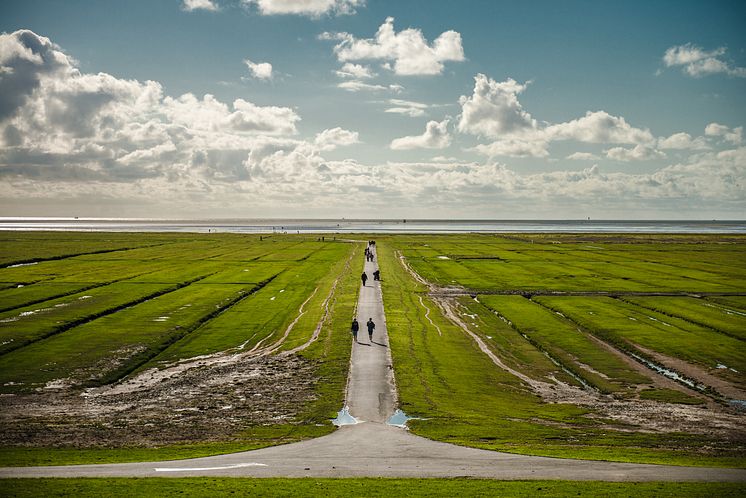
<point>364,277</point>
<point>356,327</point>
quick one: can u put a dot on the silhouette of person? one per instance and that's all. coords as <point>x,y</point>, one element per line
<point>364,278</point>
<point>371,326</point>
<point>355,327</point>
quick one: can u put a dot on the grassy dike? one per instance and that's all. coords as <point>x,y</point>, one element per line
<point>215,487</point>
<point>463,398</point>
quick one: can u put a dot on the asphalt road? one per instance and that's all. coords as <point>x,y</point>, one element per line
<point>371,448</point>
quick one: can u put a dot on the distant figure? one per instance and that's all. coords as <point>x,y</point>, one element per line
<point>364,278</point>
<point>377,275</point>
<point>355,327</point>
<point>371,326</point>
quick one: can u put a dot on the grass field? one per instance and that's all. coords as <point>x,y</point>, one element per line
<point>538,344</point>
<point>212,487</point>
<point>89,314</point>
<point>564,318</point>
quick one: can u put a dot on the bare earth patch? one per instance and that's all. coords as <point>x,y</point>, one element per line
<point>209,401</point>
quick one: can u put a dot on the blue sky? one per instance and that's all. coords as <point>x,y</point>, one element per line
<point>274,108</point>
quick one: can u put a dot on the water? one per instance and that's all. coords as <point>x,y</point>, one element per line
<point>399,419</point>
<point>368,226</point>
<point>344,418</point>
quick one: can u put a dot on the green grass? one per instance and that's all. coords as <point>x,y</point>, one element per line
<point>463,398</point>
<point>215,296</point>
<point>564,342</point>
<point>211,487</point>
<point>628,325</point>
<point>698,311</point>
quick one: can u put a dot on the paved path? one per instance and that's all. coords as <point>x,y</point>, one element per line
<point>373,449</point>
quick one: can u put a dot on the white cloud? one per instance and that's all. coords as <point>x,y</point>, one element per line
<point>583,156</point>
<point>332,138</point>
<point>730,135</point>
<point>682,141</point>
<point>209,114</point>
<point>311,8</point>
<point>436,136</point>
<point>698,62</point>
<point>637,153</point>
<point>407,107</point>
<point>357,71</point>
<point>359,86</point>
<point>191,5</point>
<point>408,49</point>
<point>70,125</point>
<point>514,148</point>
<point>599,127</point>
<point>493,110</point>
<point>259,70</point>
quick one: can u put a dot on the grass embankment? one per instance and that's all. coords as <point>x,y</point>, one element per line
<point>466,399</point>
<point>212,487</point>
<point>227,307</point>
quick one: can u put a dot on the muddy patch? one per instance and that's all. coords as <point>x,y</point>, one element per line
<point>211,402</point>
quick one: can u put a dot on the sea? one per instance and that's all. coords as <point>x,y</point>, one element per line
<point>341,226</point>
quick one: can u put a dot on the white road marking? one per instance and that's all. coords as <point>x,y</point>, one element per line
<point>226,467</point>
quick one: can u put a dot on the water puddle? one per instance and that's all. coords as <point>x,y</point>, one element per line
<point>161,319</point>
<point>400,419</point>
<point>84,297</point>
<point>21,264</point>
<point>344,418</point>
<point>443,257</point>
<point>668,373</point>
<point>740,404</point>
<point>660,321</point>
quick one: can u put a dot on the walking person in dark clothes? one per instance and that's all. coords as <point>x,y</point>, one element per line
<point>355,327</point>
<point>371,326</point>
<point>377,275</point>
<point>364,278</point>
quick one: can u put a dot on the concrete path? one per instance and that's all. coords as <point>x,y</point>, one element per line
<point>371,395</point>
<point>373,449</point>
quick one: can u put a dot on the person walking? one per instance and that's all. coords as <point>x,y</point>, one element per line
<point>371,326</point>
<point>364,278</point>
<point>355,327</point>
<point>377,275</point>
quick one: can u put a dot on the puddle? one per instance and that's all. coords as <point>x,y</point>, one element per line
<point>669,373</point>
<point>740,404</point>
<point>19,286</point>
<point>443,257</point>
<point>273,298</point>
<point>282,290</point>
<point>660,321</point>
<point>84,297</point>
<point>400,419</point>
<point>21,264</point>
<point>161,319</point>
<point>344,418</point>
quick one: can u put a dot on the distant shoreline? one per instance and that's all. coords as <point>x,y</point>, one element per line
<point>391,226</point>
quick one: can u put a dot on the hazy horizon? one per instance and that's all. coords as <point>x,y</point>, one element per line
<point>331,109</point>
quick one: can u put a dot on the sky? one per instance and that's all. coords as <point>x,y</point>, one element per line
<point>479,109</point>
